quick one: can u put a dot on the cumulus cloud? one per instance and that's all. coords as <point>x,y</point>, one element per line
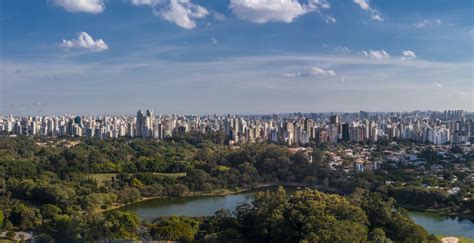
<point>183,13</point>
<point>263,11</point>
<point>213,40</point>
<point>438,84</point>
<point>364,4</point>
<point>85,41</point>
<point>88,6</point>
<point>407,55</point>
<point>312,72</point>
<point>427,23</point>
<point>377,54</point>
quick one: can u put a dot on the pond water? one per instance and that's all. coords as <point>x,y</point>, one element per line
<point>207,205</point>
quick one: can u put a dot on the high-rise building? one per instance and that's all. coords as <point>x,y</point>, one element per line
<point>140,124</point>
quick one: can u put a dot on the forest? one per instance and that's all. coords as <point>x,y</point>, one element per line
<point>48,187</point>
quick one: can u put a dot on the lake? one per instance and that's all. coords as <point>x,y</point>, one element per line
<point>207,205</point>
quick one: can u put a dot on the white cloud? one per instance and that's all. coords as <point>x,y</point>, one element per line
<point>181,12</point>
<point>377,54</point>
<point>213,40</point>
<point>364,4</point>
<point>407,55</point>
<point>312,72</point>
<point>263,11</point>
<point>329,19</point>
<point>88,6</point>
<point>144,2</point>
<point>438,84</point>
<point>292,75</point>
<point>343,49</point>
<point>85,41</point>
<point>427,23</point>
<point>377,17</point>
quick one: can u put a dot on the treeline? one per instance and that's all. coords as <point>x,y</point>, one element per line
<point>434,199</point>
<point>306,216</point>
<point>46,186</point>
<point>417,190</point>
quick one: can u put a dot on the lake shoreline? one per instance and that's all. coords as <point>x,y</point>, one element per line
<point>207,205</point>
<point>437,211</point>
<point>218,192</point>
<point>225,192</point>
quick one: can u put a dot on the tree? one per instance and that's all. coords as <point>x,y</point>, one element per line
<point>174,229</point>
<point>128,195</point>
<point>378,236</point>
<point>63,228</point>
<point>307,216</point>
<point>403,229</point>
<point>116,225</point>
<point>25,217</point>
<point>177,190</point>
<point>379,212</point>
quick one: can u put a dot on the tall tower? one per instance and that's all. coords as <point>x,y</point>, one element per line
<point>140,124</point>
<point>148,124</point>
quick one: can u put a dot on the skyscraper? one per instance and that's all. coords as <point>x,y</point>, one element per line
<point>139,126</point>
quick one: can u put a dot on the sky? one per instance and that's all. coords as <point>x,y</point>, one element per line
<point>235,56</point>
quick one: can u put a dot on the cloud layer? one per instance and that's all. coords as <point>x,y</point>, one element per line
<point>377,54</point>
<point>88,6</point>
<point>312,72</point>
<point>263,11</point>
<point>85,41</point>
<point>183,13</point>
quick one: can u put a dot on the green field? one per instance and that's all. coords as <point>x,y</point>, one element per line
<point>101,178</point>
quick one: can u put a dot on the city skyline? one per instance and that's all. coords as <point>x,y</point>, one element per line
<point>236,56</point>
<point>439,128</point>
<point>195,114</point>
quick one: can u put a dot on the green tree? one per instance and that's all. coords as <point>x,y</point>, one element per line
<point>177,190</point>
<point>174,229</point>
<point>25,217</point>
<point>128,195</point>
<point>116,225</point>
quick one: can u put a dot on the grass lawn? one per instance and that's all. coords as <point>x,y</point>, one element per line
<point>103,177</point>
<point>173,175</point>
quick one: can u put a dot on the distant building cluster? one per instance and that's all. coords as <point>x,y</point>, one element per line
<point>292,129</point>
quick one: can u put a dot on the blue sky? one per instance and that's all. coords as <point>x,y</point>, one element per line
<point>235,56</point>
